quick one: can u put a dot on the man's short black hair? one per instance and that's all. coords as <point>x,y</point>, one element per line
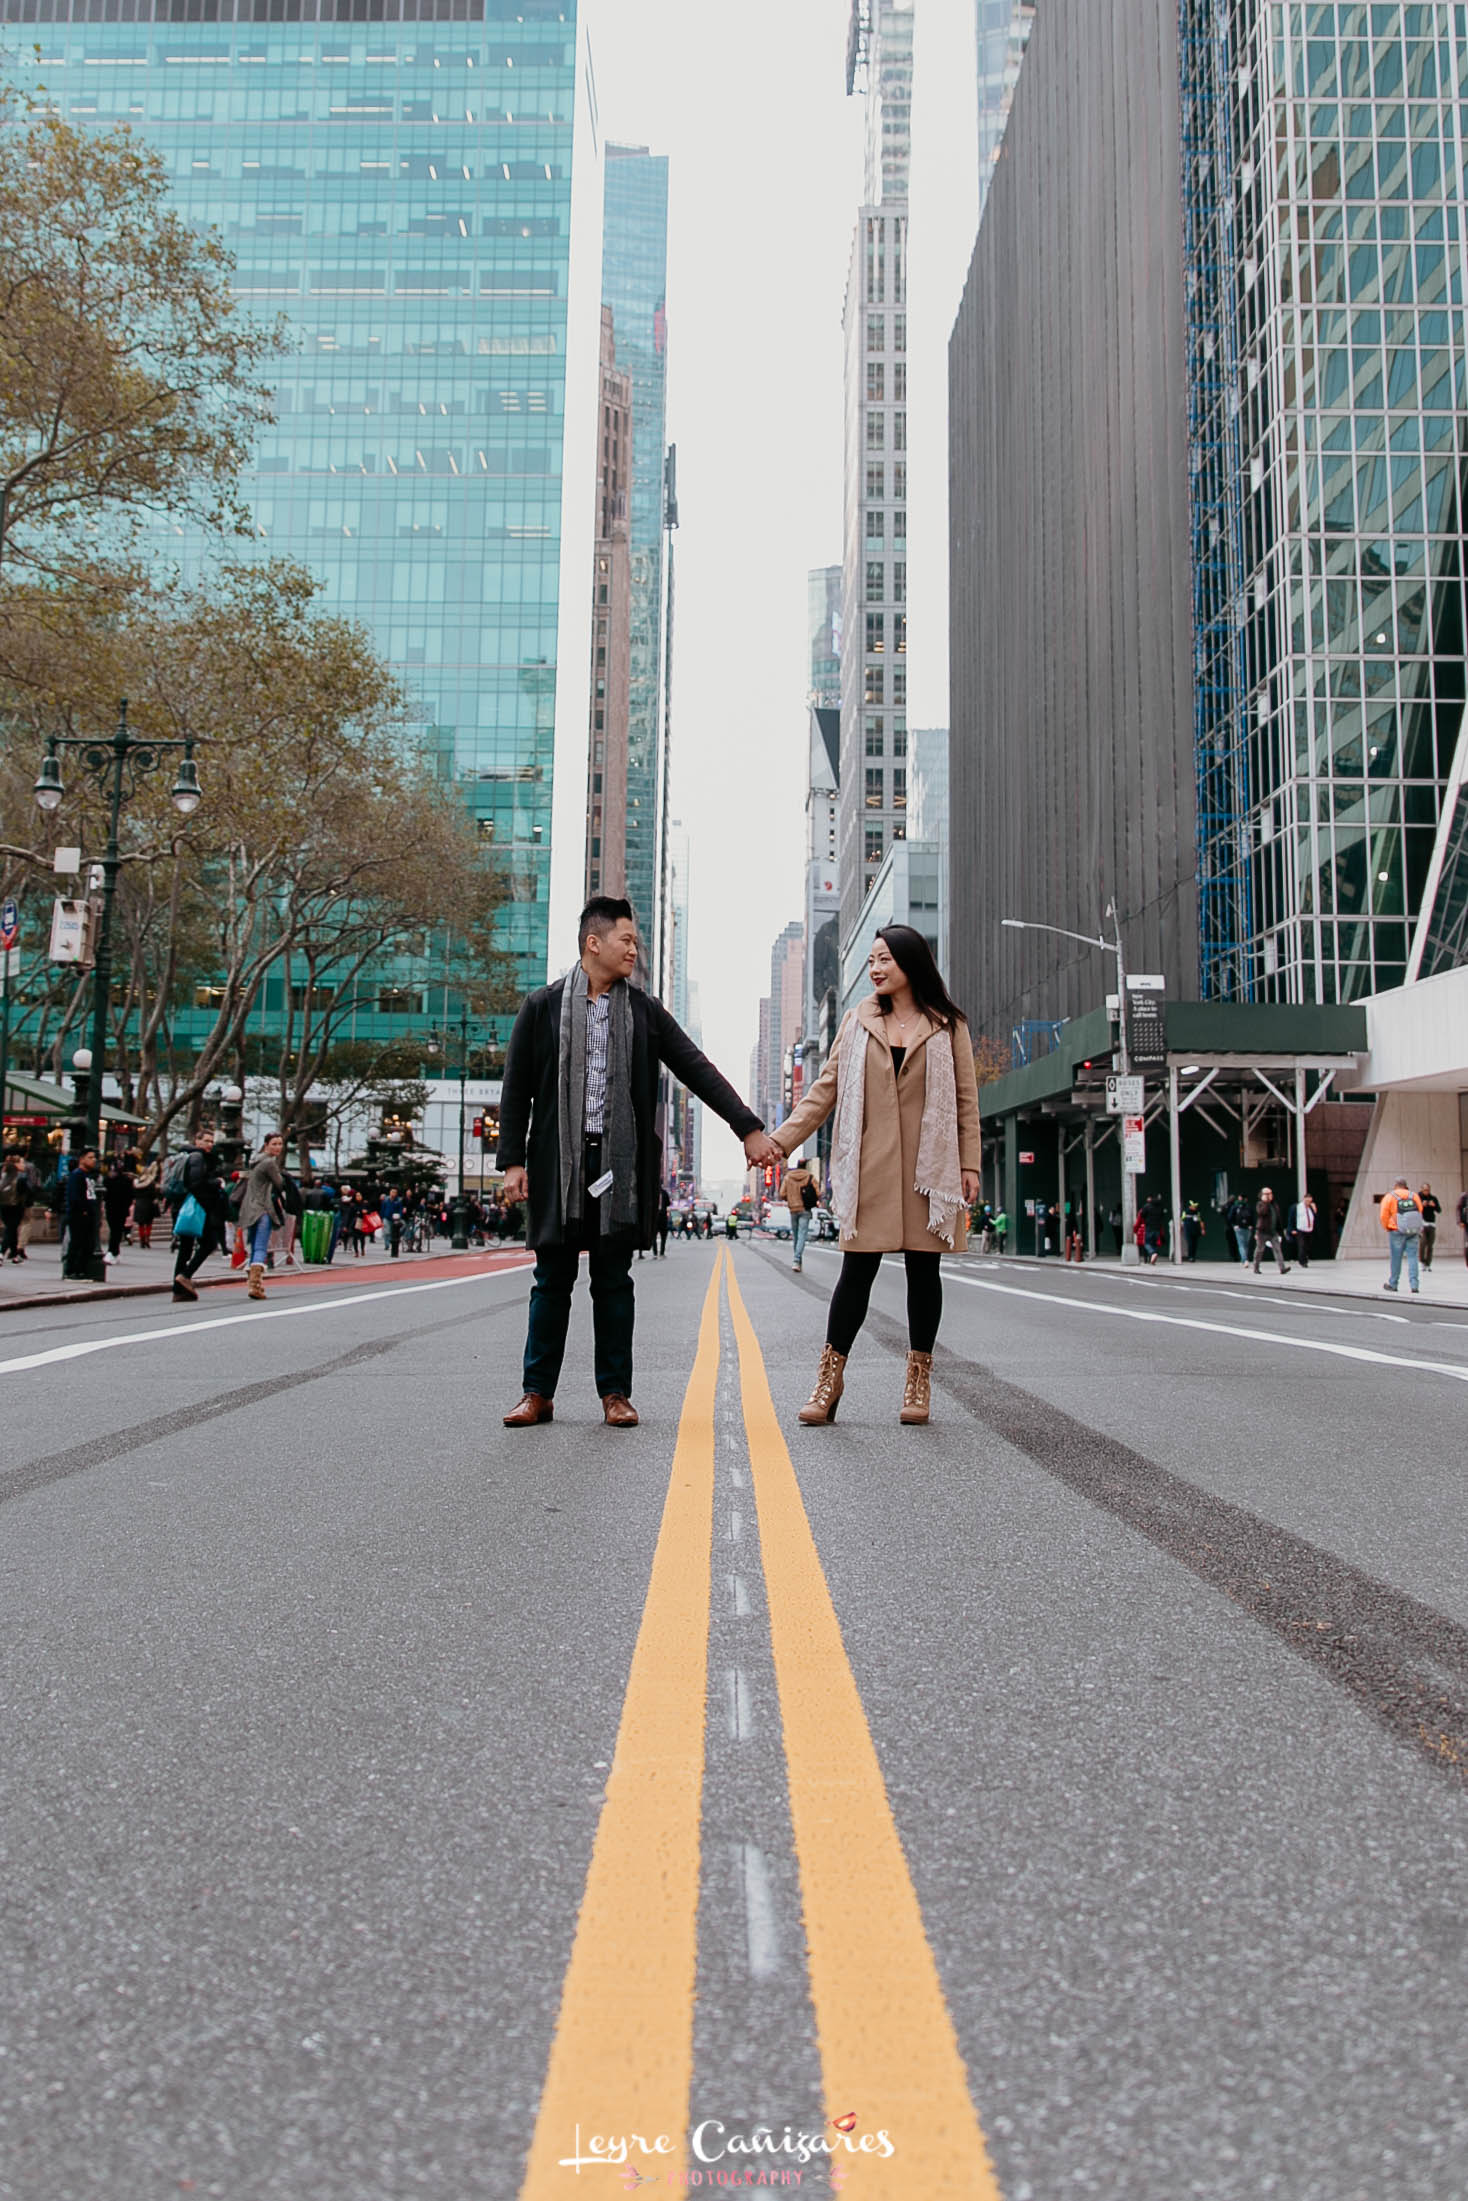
<point>600,914</point>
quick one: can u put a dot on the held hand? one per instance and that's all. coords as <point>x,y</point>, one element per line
<point>516,1187</point>
<point>760,1148</point>
<point>970,1186</point>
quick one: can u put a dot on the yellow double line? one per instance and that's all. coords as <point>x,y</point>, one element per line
<point>621,2062</point>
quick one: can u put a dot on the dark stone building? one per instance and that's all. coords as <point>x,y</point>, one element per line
<point>1071,639</point>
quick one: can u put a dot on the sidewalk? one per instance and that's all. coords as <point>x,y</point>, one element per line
<point>1445,1283</point>
<point>37,1281</point>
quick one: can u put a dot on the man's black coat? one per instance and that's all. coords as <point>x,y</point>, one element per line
<point>530,1104</point>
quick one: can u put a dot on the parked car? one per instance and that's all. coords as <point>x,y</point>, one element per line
<point>778,1221</point>
<point>823,1224</point>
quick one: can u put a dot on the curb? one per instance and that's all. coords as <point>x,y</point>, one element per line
<point>1227,1269</point>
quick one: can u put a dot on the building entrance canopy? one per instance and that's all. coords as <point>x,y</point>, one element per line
<point>1234,1067</point>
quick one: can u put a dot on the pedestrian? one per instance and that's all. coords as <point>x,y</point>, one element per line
<point>1075,1247</point>
<point>900,1086</point>
<point>1463,1221</point>
<point>802,1199</point>
<point>1192,1230</point>
<point>117,1202</point>
<point>1431,1208</point>
<point>579,1146</point>
<point>1401,1219</point>
<point>1240,1223</point>
<point>295,1208</point>
<point>200,1177</point>
<point>731,1227</point>
<point>665,1203</point>
<point>1268,1230</point>
<point>147,1180</point>
<point>1153,1220</point>
<point>1304,1228</point>
<point>81,1215</point>
<point>391,1212</point>
<point>15,1198</point>
<point>263,1208</point>
<point>1001,1228</point>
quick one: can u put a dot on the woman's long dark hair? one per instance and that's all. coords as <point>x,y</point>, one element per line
<point>914,958</point>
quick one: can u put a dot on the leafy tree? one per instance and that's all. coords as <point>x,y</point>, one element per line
<point>129,381</point>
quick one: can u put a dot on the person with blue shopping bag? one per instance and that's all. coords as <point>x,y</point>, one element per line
<point>197,1196</point>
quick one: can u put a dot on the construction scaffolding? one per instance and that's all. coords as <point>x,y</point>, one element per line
<point>1208,64</point>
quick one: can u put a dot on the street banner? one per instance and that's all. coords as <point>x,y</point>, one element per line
<point>9,925</point>
<point>1134,1145</point>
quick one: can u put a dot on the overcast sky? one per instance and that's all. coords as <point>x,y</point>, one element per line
<point>765,154</point>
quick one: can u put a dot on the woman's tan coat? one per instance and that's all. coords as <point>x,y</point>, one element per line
<point>891,1217</point>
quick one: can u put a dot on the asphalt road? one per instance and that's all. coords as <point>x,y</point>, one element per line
<point>1083,1779</point>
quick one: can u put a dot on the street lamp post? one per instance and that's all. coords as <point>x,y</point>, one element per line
<point>1114,947</point>
<point>460,1238</point>
<point>117,766</point>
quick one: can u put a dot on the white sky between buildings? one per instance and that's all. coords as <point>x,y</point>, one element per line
<point>765,176</point>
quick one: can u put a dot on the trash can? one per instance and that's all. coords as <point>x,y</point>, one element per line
<point>315,1234</point>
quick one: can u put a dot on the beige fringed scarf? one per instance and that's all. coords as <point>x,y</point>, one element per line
<point>938,1178</point>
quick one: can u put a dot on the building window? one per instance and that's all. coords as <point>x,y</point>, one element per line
<point>876,584</point>
<point>899,632</point>
<point>874,788</point>
<point>876,482</point>
<point>875,684</point>
<point>899,737</point>
<point>873,849</point>
<point>486,829</point>
<point>875,643</point>
<point>876,332</point>
<point>899,830</point>
<point>899,788</point>
<point>876,431</point>
<point>899,527</point>
<point>876,382</point>
<point>899,382</point>
<point>399,1001</point>
<point>875,525</point>
<point>899,582</point>
<point>899,332</point>
<point>875,745</point>
<point>899,481</point>
<point>317,997</point>
<point>899,686</point>
<point>899,431</point>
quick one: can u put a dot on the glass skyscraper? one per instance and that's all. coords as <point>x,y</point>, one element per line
<point>394,176</point>
<point>1324,201</point>
<point>634,285</point>
<point>1003,32</point>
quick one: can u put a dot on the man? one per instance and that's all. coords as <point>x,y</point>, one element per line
<point>579,1146</point>
<point>391,1212</point>
<point>665,1203</point>
<point>1268,1231</point>
<point>81,1215</point>
<point>797,1178</point>
<point>1304,1229</point>
<point>200,1176</point>
<point>1431,1208</point>
<point>1401,1219</point>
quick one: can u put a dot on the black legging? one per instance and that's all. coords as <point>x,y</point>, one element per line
<point>854,1290</point>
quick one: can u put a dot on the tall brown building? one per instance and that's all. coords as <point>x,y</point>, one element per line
<point>611,629</point>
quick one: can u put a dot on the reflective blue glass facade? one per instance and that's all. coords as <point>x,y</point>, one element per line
<point>1324,193</point>
<point>400,187</point>
<point>634,285</point>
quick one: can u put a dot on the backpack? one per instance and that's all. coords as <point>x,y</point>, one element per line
<point>176,1178</point>
<point>1409,1217</point>
<point>809,1196</point>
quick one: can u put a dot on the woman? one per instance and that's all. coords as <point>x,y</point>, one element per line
<point>15,1198</point>
<point>146,1183</point>
<point>263,1209</point>
<point>904,1154</point>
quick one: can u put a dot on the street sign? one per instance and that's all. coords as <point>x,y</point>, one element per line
<point>1134,1145</point>
<point>70,932</point>
<point>1126,1096</point>
<point>1026,1158</point>
<point>9,925</point>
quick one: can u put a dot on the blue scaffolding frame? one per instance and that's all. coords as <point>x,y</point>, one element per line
<point>1216,502</point>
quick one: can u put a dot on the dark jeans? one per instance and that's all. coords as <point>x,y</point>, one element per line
<point>613,1314</point>
<point>853,1292</point>
<point>193,1252</point>
<point>10,1221</point>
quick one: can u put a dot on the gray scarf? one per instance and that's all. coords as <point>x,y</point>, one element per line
<point>619,1128</point>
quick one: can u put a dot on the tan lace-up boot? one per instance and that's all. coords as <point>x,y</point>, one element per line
<point>830,1382</point>
<point>257,1280</point>
<point>917,1389</point>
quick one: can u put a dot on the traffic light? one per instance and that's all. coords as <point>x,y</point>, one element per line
<point>769,1176</point>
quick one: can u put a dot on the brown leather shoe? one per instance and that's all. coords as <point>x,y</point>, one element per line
<point>531,1409</point>
<point>618,1412</point>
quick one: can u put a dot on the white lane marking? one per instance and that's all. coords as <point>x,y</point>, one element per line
<point>54,1353</point>
<point>761,1933</point>
<point>1459,1373</point>
<point>739,1705</point>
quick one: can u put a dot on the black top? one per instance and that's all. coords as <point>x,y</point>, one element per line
<point>899,1056</point>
